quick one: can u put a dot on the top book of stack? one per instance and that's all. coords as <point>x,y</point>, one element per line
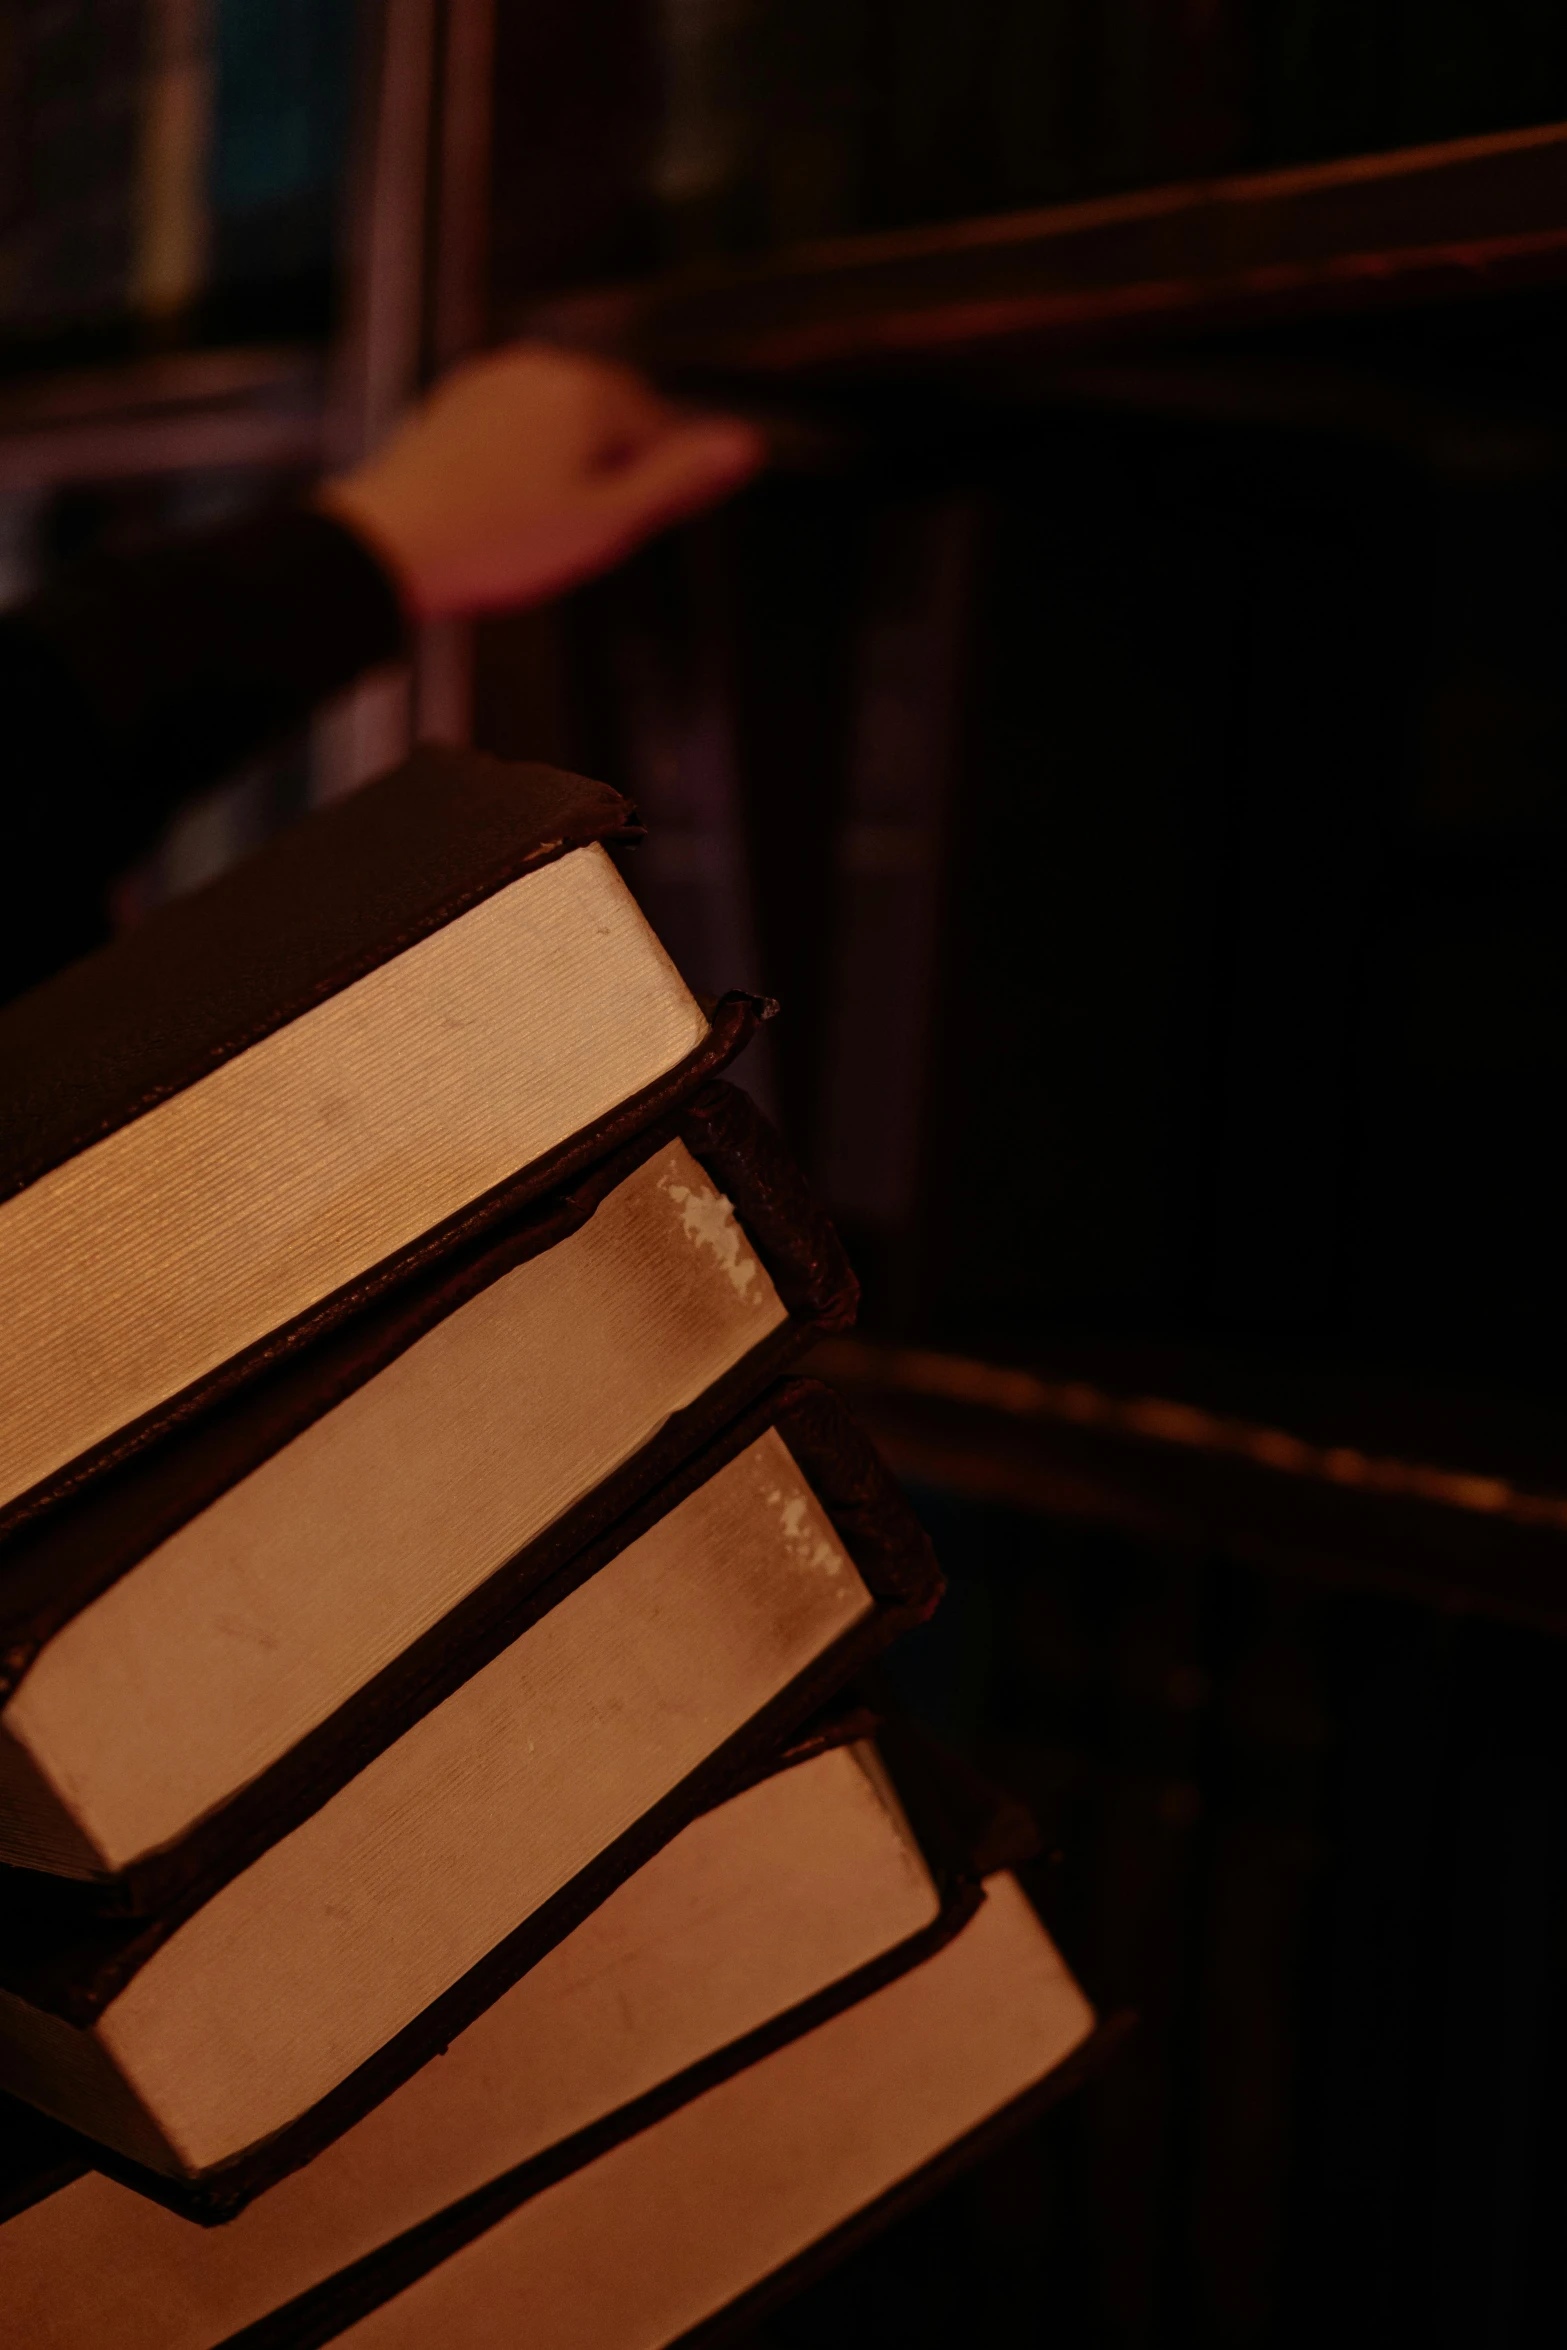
<point>229,1131</point>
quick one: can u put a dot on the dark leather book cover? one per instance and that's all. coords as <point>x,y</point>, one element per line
<point>73,1967</point>
<point>38,2156</point>
<point>53,1568</point>
<point>964,1828</point>
<point>212,974</point>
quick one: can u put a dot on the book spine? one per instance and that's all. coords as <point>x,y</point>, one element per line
<point>173,224</point>
<point>73,85</point>
<point>889,860</point>
<point>702,158</point>
<point>692,875</point>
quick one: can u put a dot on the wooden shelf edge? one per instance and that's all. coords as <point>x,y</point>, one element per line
<point>186,411</point>
<point>1422,224</point>
<point>1166,1470</point>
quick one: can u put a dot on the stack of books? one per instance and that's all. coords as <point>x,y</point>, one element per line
<point>435,1844</point>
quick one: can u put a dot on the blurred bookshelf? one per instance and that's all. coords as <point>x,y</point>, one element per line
<point>1267,392</point>
<point>221,226</point>
<point>176,175</point>
<point>1127,734</point>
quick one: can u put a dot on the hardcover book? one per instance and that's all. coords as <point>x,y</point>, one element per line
<point>717,2210</point>
<point>768,1914</point>
<point>400,1022</point>
<point>687,2230</point>
<point>212,2048</point>
<point>199,1645</point>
